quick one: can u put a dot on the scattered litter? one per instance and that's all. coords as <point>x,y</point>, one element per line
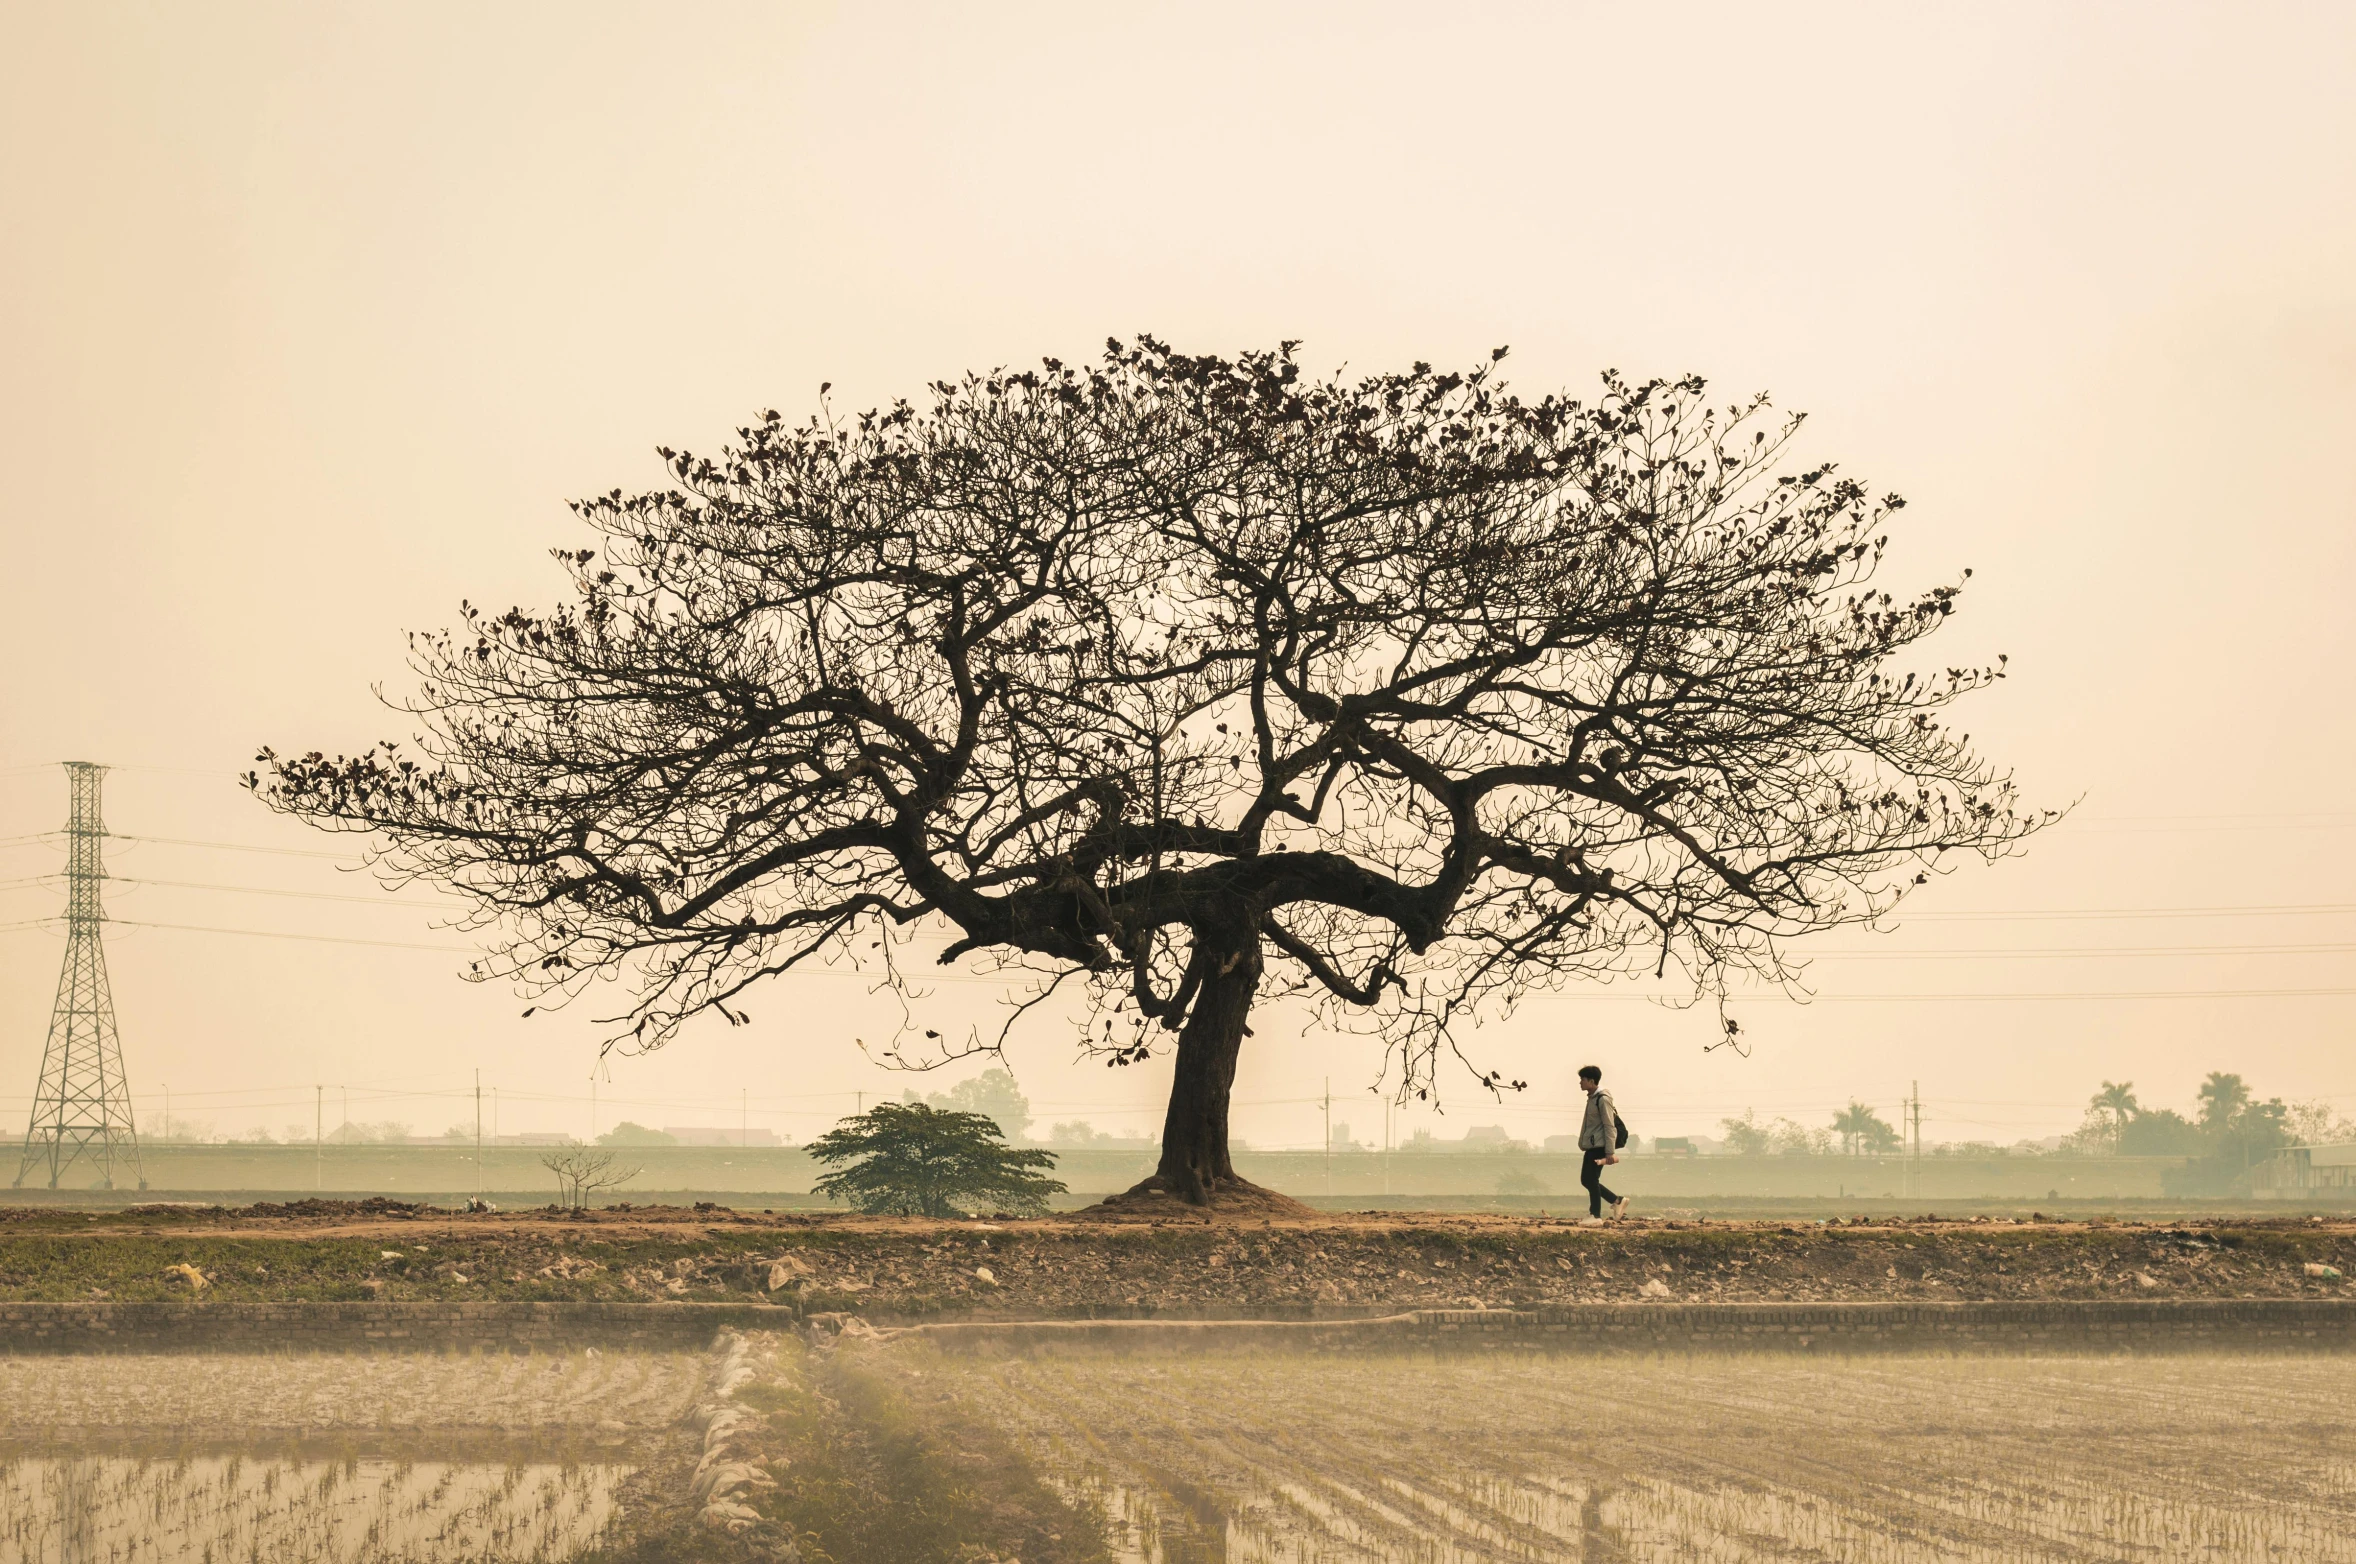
<point>2330,1273</point>
<point>2146,1279</point>
<point>982,1273</point>
<point>188,1276</point>
<point>1655,1288</point>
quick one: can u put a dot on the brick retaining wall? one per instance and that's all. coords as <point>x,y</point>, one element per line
<point>2203,1325</point>
<point>346,1327</point>
<point>2247,1325</point>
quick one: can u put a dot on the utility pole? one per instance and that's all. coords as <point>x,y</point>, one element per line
<point>346,1132</point>
<point>744,1110</point>
<point>82,1105</point>
<point>1912,1116</point>
<point>318,1137</point>
<point>1329,1135</point>
<point>478,1133</point>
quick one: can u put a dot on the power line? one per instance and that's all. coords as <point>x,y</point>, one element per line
<point>2300,909</point>
<point>2338,815</point>
<point>256,890</point>
<point>2083,951</point>
<point>320,939</point>
<point>1012,981</point>
<point>2147,993</point>
<point>239,847</point>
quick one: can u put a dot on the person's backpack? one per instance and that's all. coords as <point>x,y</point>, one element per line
<point>1619,1130</point>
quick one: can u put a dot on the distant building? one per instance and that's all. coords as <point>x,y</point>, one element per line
<point>1675,1146</point>
<point>697,1135</point>
<point>2304,1170</point>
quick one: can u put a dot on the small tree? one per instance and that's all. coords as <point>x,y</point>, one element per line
<point>2315,1123</point>
<point>907,1159</point>
<point>582,1172</point>
<point>1746,1136</point>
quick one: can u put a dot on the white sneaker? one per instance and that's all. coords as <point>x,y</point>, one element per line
<point>1620,1208</point>
<point>1591,1221</point>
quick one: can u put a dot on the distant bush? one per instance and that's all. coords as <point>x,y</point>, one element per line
<point>2159,1132</point>
<point>907,1159</point>
<point>629,1134</point>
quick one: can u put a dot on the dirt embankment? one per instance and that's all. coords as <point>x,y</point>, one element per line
<point>1062,1267</point>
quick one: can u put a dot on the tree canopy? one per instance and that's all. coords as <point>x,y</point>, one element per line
<point>907,1159</point>
<point>1863,1132</point>
<point>1189,681</point>
<point>992,1093</point>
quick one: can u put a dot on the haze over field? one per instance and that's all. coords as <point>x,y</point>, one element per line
<point>311,321</point>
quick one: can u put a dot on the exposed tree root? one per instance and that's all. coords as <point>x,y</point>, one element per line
<point>1158,1199</point>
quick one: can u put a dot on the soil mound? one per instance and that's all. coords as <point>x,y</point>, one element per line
<point>1232,1200</point>
<point>337,1210</point>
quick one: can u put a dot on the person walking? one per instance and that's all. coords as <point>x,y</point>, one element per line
<point>1600,1138</point>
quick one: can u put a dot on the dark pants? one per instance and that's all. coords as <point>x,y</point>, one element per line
<point>1591,1175</point>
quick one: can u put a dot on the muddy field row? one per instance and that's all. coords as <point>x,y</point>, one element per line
<point>586,1391</point>
<point>1238,1458</point>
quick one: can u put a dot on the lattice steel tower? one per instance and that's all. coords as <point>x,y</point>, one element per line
<point>83,1108</point>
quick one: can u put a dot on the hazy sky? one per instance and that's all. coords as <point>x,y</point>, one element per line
<point>313,316</point>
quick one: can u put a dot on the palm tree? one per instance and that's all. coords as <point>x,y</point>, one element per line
<point>2223,1097</point>
<point>2116,1101</point>
<point>1860,1129</point>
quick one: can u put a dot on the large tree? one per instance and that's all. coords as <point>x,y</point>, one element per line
<point>1201,681</point>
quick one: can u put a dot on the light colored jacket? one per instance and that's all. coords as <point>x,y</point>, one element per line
<point>1598,1131</point>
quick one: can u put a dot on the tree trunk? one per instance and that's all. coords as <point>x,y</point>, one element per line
<point>1194,1163</point>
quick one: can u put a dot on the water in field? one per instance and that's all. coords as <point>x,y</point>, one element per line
<point>1340,1461</point>
<point>354,1511</point>
<point>1191,1458</point>
<point>411,1459</point>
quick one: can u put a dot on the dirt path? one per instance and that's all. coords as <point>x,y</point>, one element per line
<point>887,1267</point>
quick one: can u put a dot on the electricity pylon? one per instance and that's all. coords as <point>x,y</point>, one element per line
<point>82,1109</point>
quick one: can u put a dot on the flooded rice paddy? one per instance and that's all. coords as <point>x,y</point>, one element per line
<point>415,1457</point>
<point>354,1511</point>
<point>1191,1457</point>
<point>1710,1458</point>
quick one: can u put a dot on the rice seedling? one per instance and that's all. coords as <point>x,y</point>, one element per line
<point>212,1508</point>
<point>1244,1458</point>
<point>138,1458</point>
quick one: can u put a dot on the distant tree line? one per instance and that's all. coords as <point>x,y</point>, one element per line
<point>1856,1130</point>
<point>2230,1132</point>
